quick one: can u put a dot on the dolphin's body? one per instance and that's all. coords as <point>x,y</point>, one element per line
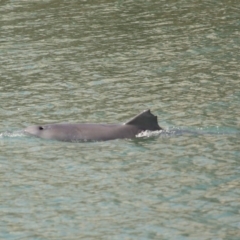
<point>77,132</point>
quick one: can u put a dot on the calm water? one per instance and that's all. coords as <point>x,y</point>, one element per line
<point>106,61</point>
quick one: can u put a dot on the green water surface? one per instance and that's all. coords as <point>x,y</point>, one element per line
<point>106,61</point>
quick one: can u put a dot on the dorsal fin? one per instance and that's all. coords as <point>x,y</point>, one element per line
<point>145,121</point>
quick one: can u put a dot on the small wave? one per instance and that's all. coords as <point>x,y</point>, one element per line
<point>12,134</point>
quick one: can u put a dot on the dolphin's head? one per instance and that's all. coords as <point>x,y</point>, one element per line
<point>61,132</point>
<point>38,131</point>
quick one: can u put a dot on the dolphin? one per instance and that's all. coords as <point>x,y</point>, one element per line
<point>77,132</point>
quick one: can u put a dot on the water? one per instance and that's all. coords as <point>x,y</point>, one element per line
<point>106,61</point>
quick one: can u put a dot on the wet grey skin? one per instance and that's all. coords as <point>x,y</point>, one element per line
<point>77,132</point>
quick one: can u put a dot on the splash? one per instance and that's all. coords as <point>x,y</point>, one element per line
<point>161,133</point>
<point>147,134</point>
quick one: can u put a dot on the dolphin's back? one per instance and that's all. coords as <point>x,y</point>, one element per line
<point>90,131</point>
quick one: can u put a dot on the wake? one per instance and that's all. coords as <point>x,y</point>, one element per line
<point>171,132</point>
